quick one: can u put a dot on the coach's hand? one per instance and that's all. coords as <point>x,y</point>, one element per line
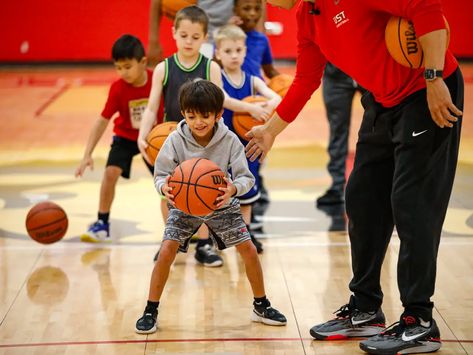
<point>262,137</point>
<point>440,103</point>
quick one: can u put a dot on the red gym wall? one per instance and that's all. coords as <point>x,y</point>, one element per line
<point>84,30</point>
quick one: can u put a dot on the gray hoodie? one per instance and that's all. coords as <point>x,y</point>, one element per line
<point>224,149</point>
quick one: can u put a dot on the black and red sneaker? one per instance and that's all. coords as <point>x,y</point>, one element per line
<point>409,335</point>
<point>350,322</point>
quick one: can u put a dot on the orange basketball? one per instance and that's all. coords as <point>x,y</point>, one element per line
<point>156,138</point>
<point>281,83</point>
<point>403,44</point>
<point>46,222</point>
<point>171,7</point>
<point>243,121</point>
<point>195,184</point>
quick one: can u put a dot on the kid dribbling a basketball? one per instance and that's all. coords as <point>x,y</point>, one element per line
<point>202,134</point>
<point>190,31</point>
<point>237,83</point>
<point>128,96</point>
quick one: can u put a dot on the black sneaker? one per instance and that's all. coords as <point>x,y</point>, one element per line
<point>330,197</point>
<point>257,243</point>
<point>350,322</point>
<point>148,323</point>
<point>409,335</point>
<point>207,256</point>
<point>268,315</point>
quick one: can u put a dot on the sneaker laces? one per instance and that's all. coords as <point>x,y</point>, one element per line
<point>394,329</point>
<point>343,312</point>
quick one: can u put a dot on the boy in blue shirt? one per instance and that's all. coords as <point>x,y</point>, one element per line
<point>238,84</point>
<point>258,54</point>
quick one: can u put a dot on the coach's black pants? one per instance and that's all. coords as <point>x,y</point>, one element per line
<point>402,176</point>
<point>338,90</point>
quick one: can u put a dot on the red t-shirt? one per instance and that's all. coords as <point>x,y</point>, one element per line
<point>130,103</point>
<point>350,34</point>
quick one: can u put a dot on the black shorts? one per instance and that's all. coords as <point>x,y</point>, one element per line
<point>121,154</point>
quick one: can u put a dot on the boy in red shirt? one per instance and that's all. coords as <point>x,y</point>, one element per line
<point>128,96</point>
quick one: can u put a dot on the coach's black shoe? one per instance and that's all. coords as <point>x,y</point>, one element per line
<point>408,336</point>
<point>350,322</point>
<point>148,323</point>
<point>207,256</point>
<point>330,197</point>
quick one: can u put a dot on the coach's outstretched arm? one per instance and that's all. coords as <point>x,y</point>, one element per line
<point>262,137</point>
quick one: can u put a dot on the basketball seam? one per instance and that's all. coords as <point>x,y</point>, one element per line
<point>45,209</point>
<point>208,187</point>
<point>194,184</point>
<point>178,182</point>
<point>47,224</point>
<point>188,184</point>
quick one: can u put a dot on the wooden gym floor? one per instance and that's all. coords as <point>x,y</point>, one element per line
<point>76,298</point>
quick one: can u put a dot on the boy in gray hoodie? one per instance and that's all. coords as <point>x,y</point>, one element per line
<point>203,135</point>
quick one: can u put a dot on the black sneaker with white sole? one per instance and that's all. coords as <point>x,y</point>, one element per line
<point>207,256</point>
<point>268,315</point>
<point>408,336</point>
<point>350,322</point>
<point>148,323</point>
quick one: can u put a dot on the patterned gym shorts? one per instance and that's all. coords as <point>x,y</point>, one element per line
<point>226,226</point>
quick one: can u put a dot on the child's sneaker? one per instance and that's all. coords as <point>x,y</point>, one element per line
<point>409,335</point>
<point>148,323</point>
<point>98,232</point>
<point>350,322</point>
<point>268,315</point>
<point>207,256</point>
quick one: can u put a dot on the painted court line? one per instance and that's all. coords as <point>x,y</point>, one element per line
<point>145,341</point>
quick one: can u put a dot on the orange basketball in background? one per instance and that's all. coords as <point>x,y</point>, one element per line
<point>171,7</point>
<point>195,184</point>
<point>157,136</point>
<point>243,121</point>
<point>46,222</point>
<point>281,83</point>
<point>403,44</point>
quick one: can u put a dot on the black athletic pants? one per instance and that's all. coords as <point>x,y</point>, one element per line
<point>403,175</point>
<point>338,90</point>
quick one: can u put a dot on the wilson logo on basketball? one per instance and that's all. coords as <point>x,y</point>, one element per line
<point>217,179</point>
<point>411,39</point>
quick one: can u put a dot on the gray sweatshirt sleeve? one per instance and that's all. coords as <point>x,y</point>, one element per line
<point>165,163</point>
<point>242,177</point>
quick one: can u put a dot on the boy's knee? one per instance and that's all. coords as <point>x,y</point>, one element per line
<point>247,249</point>
<point>167,253</point>
<point>112,172</point>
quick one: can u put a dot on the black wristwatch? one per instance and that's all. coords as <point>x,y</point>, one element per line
<point>432,74</point>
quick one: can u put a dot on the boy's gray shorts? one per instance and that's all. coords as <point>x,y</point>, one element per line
<point>226,226</point>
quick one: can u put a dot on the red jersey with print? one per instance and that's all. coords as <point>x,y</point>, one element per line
<point>350,34</point>
<point>130,102</point>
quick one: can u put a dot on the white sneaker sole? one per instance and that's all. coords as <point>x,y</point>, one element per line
<point>259,319</point>
<point>151,331</point>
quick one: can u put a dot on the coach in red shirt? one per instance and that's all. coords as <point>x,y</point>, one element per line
<point>405,160</point>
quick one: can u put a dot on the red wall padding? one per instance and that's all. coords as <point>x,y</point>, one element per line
<point>84,30</point>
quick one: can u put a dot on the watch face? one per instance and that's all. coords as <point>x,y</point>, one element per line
<point>429,74</point>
